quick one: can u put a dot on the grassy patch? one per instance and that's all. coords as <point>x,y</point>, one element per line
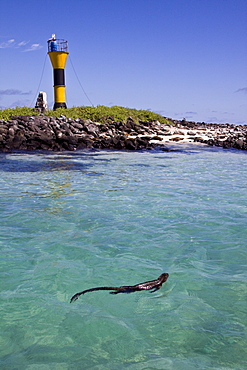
<point>100,114</point>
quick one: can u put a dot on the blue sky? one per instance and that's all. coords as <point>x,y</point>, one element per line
<point>180,58</point>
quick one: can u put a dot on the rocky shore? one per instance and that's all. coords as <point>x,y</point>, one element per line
<point>28,133</point>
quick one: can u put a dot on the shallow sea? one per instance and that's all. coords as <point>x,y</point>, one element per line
<point>73,221</point>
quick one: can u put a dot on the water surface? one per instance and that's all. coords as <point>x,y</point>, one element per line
<point>73,221</point>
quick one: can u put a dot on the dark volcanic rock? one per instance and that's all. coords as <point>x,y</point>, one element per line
<point>59,134</point>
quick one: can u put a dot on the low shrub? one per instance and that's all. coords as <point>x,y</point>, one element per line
<point>100,114</point>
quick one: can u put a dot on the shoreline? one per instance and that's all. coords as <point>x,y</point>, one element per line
<point>224,135</point>
<point>29,133</point>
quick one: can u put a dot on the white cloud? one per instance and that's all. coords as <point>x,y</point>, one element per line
<point>23,43</point>
<point>7,44</point>
<point>13,44</point>
<point>34,47</point>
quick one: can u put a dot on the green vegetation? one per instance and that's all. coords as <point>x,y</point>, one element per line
<point>100,114</point>
<point>7,114</point>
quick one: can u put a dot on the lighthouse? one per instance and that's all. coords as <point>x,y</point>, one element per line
<point>58,53</point>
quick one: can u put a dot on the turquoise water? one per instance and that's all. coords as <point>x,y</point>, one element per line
<point>73,221</point>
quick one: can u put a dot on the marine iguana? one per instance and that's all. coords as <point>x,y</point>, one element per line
<point>152,285</point>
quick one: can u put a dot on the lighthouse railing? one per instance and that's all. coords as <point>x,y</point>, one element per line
<point>57,45</point>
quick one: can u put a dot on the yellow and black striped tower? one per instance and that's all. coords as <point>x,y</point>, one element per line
<point>58,53</point>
